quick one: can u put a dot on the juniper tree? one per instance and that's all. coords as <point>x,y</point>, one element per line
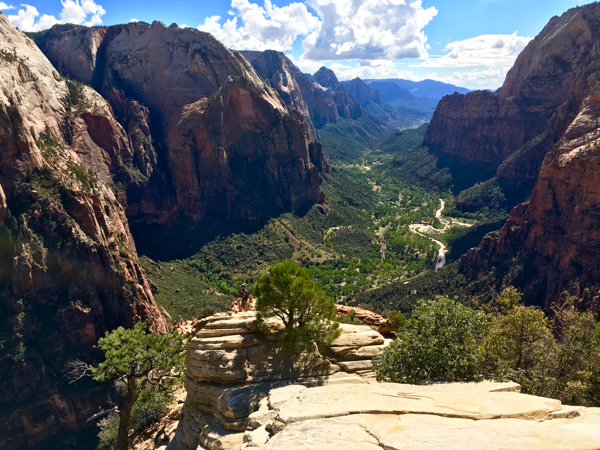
<point>136,360</point>
<point>287,292</point>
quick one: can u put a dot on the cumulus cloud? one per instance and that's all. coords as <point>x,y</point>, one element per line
<point>371,69</point>
<point>255,27</point>
<point>4,6</point>
<point>368,29</point>
<point>490,50</point>
<point>82,12</point>
<point>133,20</point>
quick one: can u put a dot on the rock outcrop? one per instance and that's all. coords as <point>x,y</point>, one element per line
<point>547,244</point>
<point>244,392</point>
<point>69,269</point>
<point>232,367</point>
<point>225,141</point>
<point>555,237</point>
<point>541,95</point>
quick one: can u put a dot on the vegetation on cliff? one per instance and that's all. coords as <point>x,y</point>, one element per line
<point>556,356</point>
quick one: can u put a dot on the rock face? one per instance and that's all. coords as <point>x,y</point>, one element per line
<point>232,367</point>
<point>69,268</point>
<point>547,244</point>
<point>241,395</point>
<point>225,141</point>
<point>557,233</point>
<point>542,94</point>
<point>400,416</point>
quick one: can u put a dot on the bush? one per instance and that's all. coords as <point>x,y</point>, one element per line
<point>396,318</point>
<point>557,357</point>
<point>287,292</point>
<point>439,342</point>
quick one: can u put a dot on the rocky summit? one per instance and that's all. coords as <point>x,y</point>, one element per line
<point>244,392</point>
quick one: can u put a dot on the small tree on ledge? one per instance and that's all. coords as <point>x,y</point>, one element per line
<point>137,360</point>
<point>287,292</point>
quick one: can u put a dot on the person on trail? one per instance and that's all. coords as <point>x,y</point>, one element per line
<point>244,297</point>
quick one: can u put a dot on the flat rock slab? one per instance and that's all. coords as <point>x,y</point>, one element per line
<point>332,401</point>
<point>360,339</point>
<point>418,431</point>
<point>349,328</point>
<point>353,353</point>
<point>354,366</point>
<point>246,321</point>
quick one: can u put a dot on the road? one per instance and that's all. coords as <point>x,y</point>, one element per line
<point>423,229</point>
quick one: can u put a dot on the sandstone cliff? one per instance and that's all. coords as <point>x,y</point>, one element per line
<point>234,165</point>
<point>552,242</point>
<point>540,97</point>
<point>69,268</point>
<point>292,85</point>
<point>243,392</point>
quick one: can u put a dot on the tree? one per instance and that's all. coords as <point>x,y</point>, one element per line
<point>287,292</point>
<point>136,360</point>
<point>439,342</point>
<point>557,357</point>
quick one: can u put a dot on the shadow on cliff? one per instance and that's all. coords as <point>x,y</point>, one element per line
<point>164,244</point>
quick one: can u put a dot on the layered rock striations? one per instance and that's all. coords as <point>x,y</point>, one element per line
<point>232,366</point>
<point>69,269</point>
<point>208,115</point>
<point>555,236</point>
<point>244,392</point>
<point>543,92</point>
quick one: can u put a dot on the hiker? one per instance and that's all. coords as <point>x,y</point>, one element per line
<point>244,298</point>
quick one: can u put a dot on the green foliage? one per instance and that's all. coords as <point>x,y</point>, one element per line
<point>152,400</point>
<point>346,140</point>
<point>199,288</point>
<point>74,95</point>
<point>439,342</point>
<point>402,140</point>
<point>287,292</point>
<point>10,56</point>
<point>557,357</point>
<point>86,177</point>
<point>133,354</point>
<point>397,319</point>
<point>109,430</point>
<point>139,361</point>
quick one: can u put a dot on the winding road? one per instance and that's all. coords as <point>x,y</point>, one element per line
<point>423,229</point>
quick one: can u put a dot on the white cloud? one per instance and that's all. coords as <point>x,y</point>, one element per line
<point>81,12</point>
<point>368,29</point>
<point>4,6</point>
<point>490,78</point>
<point>132,20</point>
<point>261,28</point>
<point>490,50</point>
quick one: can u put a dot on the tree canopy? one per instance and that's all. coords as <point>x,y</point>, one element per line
<point>287,292</point>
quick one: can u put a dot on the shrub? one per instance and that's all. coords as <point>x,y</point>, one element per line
<point>439,342</point>
<point>557,357</point>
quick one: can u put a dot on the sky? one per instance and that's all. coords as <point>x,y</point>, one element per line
<point>469,43</point>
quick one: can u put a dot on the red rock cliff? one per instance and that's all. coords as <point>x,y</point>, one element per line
<point>69,269</point>
<point>184,67</point>
<point>541,96</point>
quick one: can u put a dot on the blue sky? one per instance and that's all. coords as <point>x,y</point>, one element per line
<point>470,43</point>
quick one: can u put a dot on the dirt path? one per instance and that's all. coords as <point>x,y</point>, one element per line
<point>423,229</point>
<point>382,232</point>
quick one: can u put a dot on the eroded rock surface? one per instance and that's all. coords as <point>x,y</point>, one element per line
<point>235,374</point>
<point>220,140</point>
<point>68,263</point>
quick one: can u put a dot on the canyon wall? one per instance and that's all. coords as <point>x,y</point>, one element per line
<point>234,165</point>
<point>540,97</point>
<point>69,269</point>
<point>550,243</point>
